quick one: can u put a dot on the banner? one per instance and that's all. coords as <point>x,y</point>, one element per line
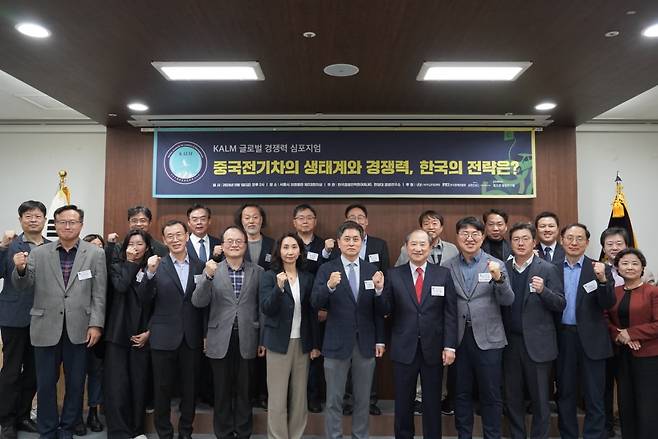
<point>344,162</point>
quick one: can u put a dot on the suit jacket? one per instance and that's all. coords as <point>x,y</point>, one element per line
<point>539,333</point>
<point>212,242</point>
<point>591,322</point>
<point>484,301</point>
<point>14,305</point>
<point>507,248</point>
<point>346,316</point>
<point>558,254</point>
<point>174,318</point>
<point>376,253</point>
<point>316,246</point>
<point>265,257</point>
<point>279,306</point>
<point>643,319</point>
<point>81,302</point>
<point>224,307</point>
<point>432,323</point>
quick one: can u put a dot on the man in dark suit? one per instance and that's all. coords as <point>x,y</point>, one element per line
<point>531,334</point>
<point>139,217</point>
<point>548,231</point>
<point>18,381</point>
<point>422,301</point>
<point>176,327</point>
<point>495,227</point>
<point>354,333</point>
<point>583,338</point>
<point>201,245</point>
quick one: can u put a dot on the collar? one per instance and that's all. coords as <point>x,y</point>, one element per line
<point>552,246</point>
<point>476,258</point>
<point>526,264</point>
<point>195,239</point>
<point>414,267</point>
<point>75,246</point>
<point>185,261</point>
<point>240,268</point>
<point>578,263</point>
<point>346,262</point>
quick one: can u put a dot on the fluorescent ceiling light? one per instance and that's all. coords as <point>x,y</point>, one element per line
<point>545,106</point>
<point>138,106</point>
<point>33,30</point>
<point>651,31</point>
<point>471,71</point>
<point>210,71</point>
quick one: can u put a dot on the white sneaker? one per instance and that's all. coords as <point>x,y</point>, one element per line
<point>141,436</point>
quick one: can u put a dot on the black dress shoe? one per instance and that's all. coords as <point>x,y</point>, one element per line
<point>374,410</point>
<point>184,435</point>
<point>447,407</point>
<point>80,429</point>
<point>93,422</point>
<point>347,409</point>
<point>8,432</point>
<point>418,407</point>
<point>27,425</point>
<point>314,407</point>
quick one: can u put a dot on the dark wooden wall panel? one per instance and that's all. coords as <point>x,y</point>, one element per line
<point>129,174</point>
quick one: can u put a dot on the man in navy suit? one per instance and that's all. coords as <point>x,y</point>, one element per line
<point>18,378</point>
<point>354,332</point>
<point>548,231</point>
<point>201,244</point>
<point>422,301</point>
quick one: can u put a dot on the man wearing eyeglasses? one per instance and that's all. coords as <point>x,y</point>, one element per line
<point>482,288</point>
<point>69,278</point>
<point>230,288</point>
<point>177,329</point>
<point>583,336</point>
<point>139,218</point>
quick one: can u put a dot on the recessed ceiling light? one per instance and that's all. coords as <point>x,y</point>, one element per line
<point>631,12</point>
<point>611,34</point>
<point>33,30</point>
<point>651,31</point>
<point>545,106</point>
<point>138,106</point>
<point>472,71</point>
<point>210,71</point>
<point>309,34</point>
<point>341,70</point>
<point>112,114</point>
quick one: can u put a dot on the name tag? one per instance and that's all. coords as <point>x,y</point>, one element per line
<point>268,257</point>
<point>198,278</point>
<point>312,256</point>
<point>86,274</point>
<point>532,289</point>
<point>484,277</point>
<point>590,286</point>
<point>373,257</point>
<point>370,285</point>
<point>438,291</point>
<point>140,276</point>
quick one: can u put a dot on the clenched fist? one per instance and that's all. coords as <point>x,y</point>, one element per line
<point>152,263</point>
<point>113,237</point>
<point>20,261</point>
<point>329,245</point>
<point>378,280</point>
<point>7,238</point>
<point>494,269</point>
<point>599,270</point>
<point>211,268</point>
<point>217,250</point>
<point>334,280</point>
<point>281,279</point>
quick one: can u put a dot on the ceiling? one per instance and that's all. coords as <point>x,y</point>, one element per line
<point>98,57</point>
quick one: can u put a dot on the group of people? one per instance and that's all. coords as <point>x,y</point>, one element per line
<point>243,319</point>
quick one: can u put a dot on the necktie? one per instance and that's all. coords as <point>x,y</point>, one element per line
<point>351,277</point>
<point>419,283</point>
<point>547,254</point>
<point>203,256</point>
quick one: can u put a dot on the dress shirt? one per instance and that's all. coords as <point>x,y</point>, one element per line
<point>206,243</point>
<point>364,244</point>
<point>571,278</point>
<point>414,273</point>
<point>469,269</point>
<point>552,247</point>
<point>615,274</point>
<point>295,329</point>
<point>182,269</point>
<point>66,259</point>
<point>237,279</point>
<point>521,268</point>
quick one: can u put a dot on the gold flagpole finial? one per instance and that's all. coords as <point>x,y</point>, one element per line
<point>619,200</point>
<point>63,186</point>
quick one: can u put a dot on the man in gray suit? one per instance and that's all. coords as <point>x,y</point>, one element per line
<point>231,290</point>
<point>531,333</point>
<point>482,287</point>
<point>69,278</point>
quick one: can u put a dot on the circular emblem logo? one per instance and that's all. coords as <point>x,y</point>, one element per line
<point>185,162</point>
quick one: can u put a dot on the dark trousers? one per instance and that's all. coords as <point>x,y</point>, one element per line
<point>574,367</point>
<point>484,368</point>
<point>232,411</point>
<point>316,382</point>
<point>48,360</point>
<point>204,383</point>
<point>94,379</point>
<point>638,395</point>
<point>520,372</point>
<point>181,367</point>
<point>431,377</point>
<point>611,366</point>
<point>126,383</point>
<point>18,380</point>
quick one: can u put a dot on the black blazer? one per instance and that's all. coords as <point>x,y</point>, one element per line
<point>537,315</point>
<point>212,242</point>
<point>592,324</point>
<point>376,253</point>
<point>265,258</point>
<point>174,318</point>
<point>432,323</point>
<point>507,248</point>
<point>278,308</point>
<point>316,246</point>
<point>347,317</point>
<point>558,254</point>
<point>127,315</point>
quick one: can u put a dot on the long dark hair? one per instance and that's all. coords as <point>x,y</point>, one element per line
<point>147,240</point>
<point>277,263</point>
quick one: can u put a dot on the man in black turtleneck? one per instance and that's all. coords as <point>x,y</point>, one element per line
<point>495,227</point>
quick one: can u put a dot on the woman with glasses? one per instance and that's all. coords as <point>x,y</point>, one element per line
<point>290,336</point>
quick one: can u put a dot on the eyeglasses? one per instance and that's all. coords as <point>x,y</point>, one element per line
<point>175,236</point>
<point>305,218</point>
<point>33,217</point>
<point>71,223</point>
<point>518,239</point>
<point>578,239</point>
<point>348,239</point>
<point>472,235</point>
<point>139,221</point>
<point>237,242</point>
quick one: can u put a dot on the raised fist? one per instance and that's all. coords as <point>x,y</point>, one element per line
<point>334,280</point>
<point>152,263</point>
<point>7,238</point>
<point>329,245</point>
<point>211,268</point>
<point>113,237</point>
<point>20,261</point>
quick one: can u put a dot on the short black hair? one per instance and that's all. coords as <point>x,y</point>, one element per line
<point>356,206</point>
<point>500,212</point>
<point>59,210</point>
<point>615,231</point>
<point>93,236</point>
<point>277,263</point>
<point>173,222</point>
<point>301,207</point>
<point>582,226</point>
<point>547,214</point>
<point>236,227</point>
<point>237,218</point>
<point>140,209</point>
<point>31,205</point>
<point>430,214</point>
<point>631,251</point>
<point>350,225</point>
<point>523,226</point>
<point>469,221</point>
<point>147,240</point>
<point>196,207</point>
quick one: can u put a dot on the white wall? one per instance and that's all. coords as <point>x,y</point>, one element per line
<point>30,159</point>
<point>602,150</point>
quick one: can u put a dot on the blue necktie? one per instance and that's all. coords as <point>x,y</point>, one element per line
<point>351,277</point>
<point>202,251</point>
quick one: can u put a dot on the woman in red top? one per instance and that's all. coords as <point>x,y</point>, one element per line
<point>633,324</point>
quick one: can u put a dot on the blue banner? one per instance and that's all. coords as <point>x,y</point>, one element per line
<point>395,162</point>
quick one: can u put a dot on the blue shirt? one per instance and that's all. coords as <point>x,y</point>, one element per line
<point>182,270</point>
<point>571,278</point>
<point>469,270</point>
